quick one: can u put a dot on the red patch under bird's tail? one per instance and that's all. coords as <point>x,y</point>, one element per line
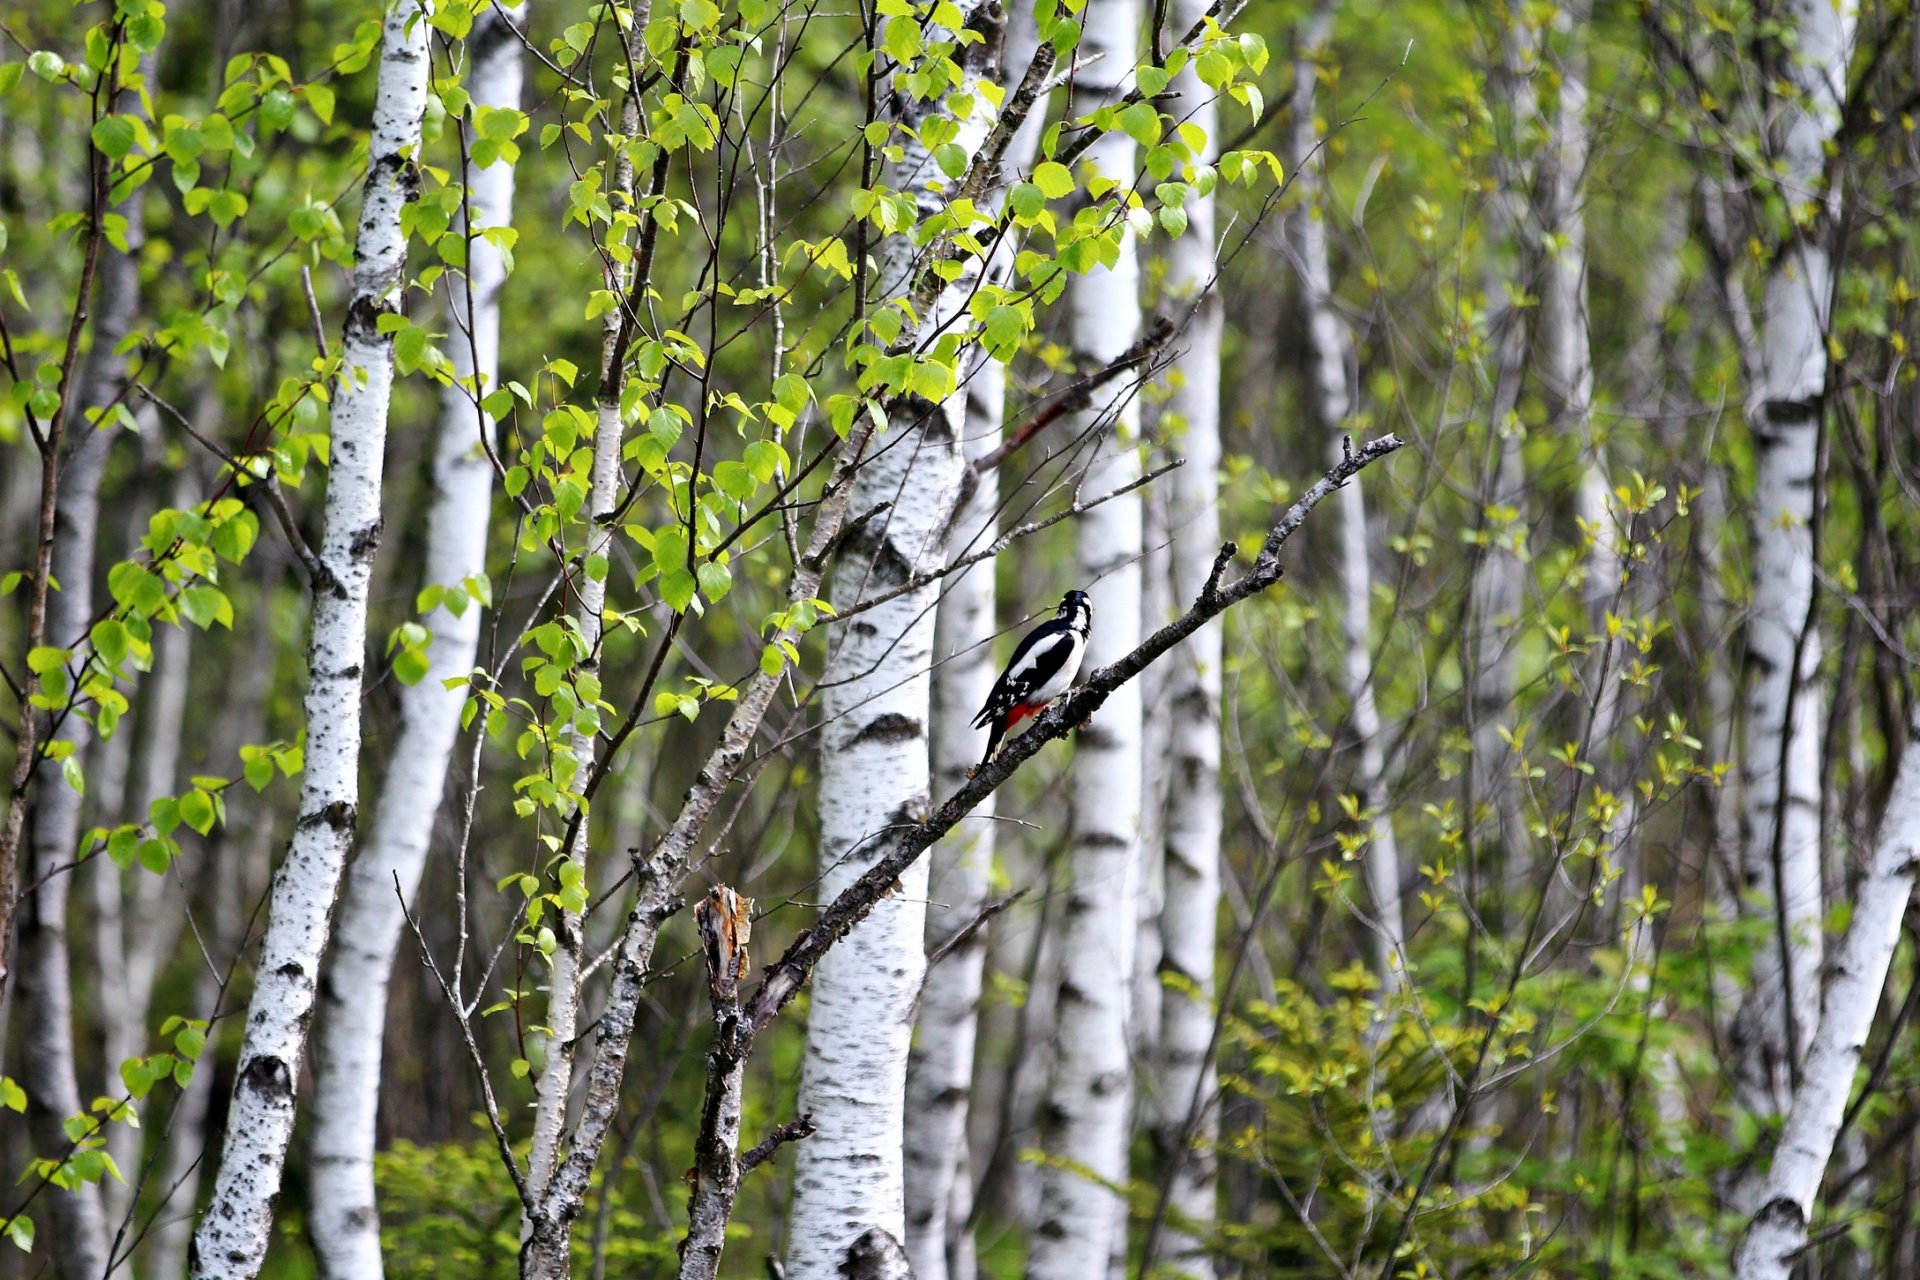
<point>1024,711</point>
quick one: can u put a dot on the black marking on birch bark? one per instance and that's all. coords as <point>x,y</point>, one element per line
<point>861,627</point>
<point>984,56</point>
<point>1102,840</point>
<point>268,1078</point>
<point>325,584</point>
<point>339,815</point>
<point>917,412</point>
<point>364,541</point>
<point>1095,738</point>
<point>1787,413</point>
<point>1783,1212</point>
<point>876,1255</point>
<point>363,319</point>
<point>291,969</point>
<point>490,31</point>
<point>888,728</point>
<point>1192,701</point>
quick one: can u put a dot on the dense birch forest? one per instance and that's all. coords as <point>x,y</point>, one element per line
<point>515,524</point>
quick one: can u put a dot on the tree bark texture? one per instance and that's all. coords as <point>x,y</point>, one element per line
<point>1780,748</point>
<point>353,993</point>
<point>1084,1114</point>
<point>1778,1230</point>
<point>1330,365</point>
<point>1499,572</point>
<point>1186,1116</point>
<point>232,1239</point>
<point>47,1067</point>
<point>940,1066</point>
<point>875,765</point>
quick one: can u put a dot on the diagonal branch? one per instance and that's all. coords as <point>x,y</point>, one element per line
<point>912,834</point>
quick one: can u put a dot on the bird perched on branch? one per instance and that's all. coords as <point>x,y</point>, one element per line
<point>1041,669</point>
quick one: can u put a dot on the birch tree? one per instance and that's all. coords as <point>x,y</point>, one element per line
<point>940,1066</point>
<point>234,1231</point>
<point>1082,1223</point>
<point>1780,766</point>
<point>1184,1113</point>
<point>1777,1233</point>
<point>1499,571</point>
<point>353,994</point>
<point>560,1039</point>
<point>876,711</point>
<point>48,1065</point>
<point>1330,365</point>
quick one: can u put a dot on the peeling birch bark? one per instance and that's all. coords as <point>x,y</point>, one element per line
<point>232,1238</point>
<point>875,772</point>
<point>1084,1113</point>
<point>353,992</point>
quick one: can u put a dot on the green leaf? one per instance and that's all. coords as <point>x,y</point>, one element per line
<point>45,659</point>
<point>205,605</point>
<point>677,588</point>
<point>320,100</point>
<point>1053,178</point>
<point>157,855</point>
<point>114,135</point>
<point>110,640</point>
<point>715,580</point>
<point>410,666</point>
<point>1142,123</point>
<point>196,810</point>
<point>20,1231</point>
<point>670,548</point>
<point>1003,330</point>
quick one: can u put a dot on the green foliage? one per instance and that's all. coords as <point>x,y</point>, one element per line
<point>448,1211</point>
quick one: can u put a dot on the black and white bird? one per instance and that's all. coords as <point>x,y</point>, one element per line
<point>1041,669</point>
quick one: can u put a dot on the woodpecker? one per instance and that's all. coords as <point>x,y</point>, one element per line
<point>1041,669</point>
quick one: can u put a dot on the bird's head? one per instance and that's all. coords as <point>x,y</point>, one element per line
<point>1076,609</point>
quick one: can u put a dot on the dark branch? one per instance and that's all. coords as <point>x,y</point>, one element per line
<point>903,843</point>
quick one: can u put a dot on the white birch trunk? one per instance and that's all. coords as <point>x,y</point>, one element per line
<point>1779,1227</point>
<point>1499,573</point>
<point>1780,748</point>
<point>1330,357</point>
<point>876,772</point>
<point>940,1066</point>
<point>1566,355</point>
<point>1082,1223</point>
<point>1189,1121</point>
<point>235,1230</point>
<point>78,1238</point>
<point>353,996</point>
<point>1157,532</point>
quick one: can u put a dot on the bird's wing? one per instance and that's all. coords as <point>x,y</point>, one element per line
<point>1032,648</point>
